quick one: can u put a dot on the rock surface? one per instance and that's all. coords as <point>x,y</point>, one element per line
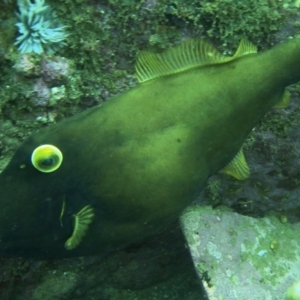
<point>240,257</point>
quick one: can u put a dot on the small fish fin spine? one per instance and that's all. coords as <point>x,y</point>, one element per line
<point>284,101</point>
<point>189,54</point>
<point>63,209</point>
<point>238,167</point>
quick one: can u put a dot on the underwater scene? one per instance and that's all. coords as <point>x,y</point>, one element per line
<point>150,149</point>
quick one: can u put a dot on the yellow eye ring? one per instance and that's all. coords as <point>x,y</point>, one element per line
<point>46,158</point>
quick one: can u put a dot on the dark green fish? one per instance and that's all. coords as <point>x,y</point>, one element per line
<point>120,172</point>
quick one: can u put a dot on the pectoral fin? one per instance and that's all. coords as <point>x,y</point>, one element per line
<point>82,220</point>
<point>238,167</point>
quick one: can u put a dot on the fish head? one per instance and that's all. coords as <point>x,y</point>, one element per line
<point>39,196</point>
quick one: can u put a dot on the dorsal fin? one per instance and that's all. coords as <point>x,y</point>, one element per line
<point>244,48</point>
<point>189,54</point>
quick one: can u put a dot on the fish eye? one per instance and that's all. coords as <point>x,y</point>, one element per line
<point>46,158</point>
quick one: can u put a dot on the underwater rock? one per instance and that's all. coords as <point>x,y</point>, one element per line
<point>239,257</point>
<point>158,268</point>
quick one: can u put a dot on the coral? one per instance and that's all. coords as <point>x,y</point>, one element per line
<point>45,96</point>
<point>57,93</point>
<point>55,68</point>
<point>42,93</point>
<point>27,65</point>
<point>38,28</point>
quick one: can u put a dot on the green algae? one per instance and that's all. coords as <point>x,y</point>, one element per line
<point>105,38</point>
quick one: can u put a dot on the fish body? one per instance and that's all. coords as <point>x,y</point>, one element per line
<point>131,165</point>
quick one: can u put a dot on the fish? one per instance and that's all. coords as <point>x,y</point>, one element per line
<point>122,171</point>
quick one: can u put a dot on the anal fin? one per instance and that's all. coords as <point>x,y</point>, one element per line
<point>285,100</point>
<point>238,167</point>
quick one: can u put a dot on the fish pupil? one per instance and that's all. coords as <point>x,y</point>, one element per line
<point>47,162</point>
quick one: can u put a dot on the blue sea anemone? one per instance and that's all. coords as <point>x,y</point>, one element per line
<point>38,28</point>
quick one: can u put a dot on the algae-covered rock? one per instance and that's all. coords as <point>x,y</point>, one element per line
<point>56,286</point>
<point>240,257</point>
<point>157,269</point>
